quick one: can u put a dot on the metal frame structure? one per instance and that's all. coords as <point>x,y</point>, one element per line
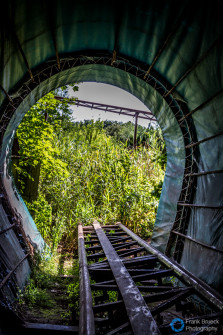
<point>140,278</point>
<point>111,108</point>
<point>115,109</point>
<point>175,243</point>
<point>51,68</point>
<point>147,73</point>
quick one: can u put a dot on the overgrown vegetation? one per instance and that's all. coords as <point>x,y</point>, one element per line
<point>88,170</point>
<point>77,172</point>
<point>52,291</point>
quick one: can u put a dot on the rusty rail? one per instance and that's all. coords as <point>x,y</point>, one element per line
<point>129,287</point>
<point>204,290</point>
<point>86,324</point>
<point>138,312</point>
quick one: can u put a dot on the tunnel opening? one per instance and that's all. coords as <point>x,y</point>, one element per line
<point>186,169</point>
<point>20,115</point>
<point>170,56</point>
<point>137,203</point>
<point>126,134</point>
<point>170,109</point>
<point>87,60</point>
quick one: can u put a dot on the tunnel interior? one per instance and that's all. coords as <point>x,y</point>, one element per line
<point>169,57</point>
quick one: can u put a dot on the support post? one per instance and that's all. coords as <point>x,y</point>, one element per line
<point>135,130</point>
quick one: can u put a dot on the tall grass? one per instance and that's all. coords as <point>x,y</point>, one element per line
<point>104,180</point>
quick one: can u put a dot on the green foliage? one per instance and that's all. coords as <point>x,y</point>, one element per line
<point>49,295</point>
<point>37,134</point>
<point>89,171</point>
<point>106,181</point>
<point>73,293</point>
<point>34,295</point>
<point>149,137</point>
<point>42,214</point>
<point>43,275</point>
<point>113,296</point>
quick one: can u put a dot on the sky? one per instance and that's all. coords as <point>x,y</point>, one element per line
<point>105,94</point>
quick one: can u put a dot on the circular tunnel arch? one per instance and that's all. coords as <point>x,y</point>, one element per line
<point>129,76</point>
<point>161,71</point>
<point>150,91</point>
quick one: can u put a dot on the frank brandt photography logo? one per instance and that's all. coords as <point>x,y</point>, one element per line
<point>178,325</point>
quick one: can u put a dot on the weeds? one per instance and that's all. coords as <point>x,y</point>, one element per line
<point>86,174</point>
<point>107,181</point>
<point>47,293</point>
<point>34,295</point>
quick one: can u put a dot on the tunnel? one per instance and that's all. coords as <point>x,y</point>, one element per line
<point>168,55</point>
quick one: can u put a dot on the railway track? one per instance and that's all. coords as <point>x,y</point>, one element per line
<point>128,287</point>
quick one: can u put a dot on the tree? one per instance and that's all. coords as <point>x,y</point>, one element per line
<point>35,139</point>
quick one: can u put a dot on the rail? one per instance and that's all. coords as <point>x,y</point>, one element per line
<point>131,288</point>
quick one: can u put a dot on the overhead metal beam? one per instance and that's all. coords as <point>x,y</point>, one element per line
<point>4,281</point>
<point>23,55</point>
<point>56,49</point>
<point>8,228</point>
<point>161,49</point>
<point>166,41</point>
<point>111,108</point>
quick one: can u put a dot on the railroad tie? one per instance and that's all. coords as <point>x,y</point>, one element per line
<point>128,287</point>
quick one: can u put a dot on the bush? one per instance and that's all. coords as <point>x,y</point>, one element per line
<point>106,181</point>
